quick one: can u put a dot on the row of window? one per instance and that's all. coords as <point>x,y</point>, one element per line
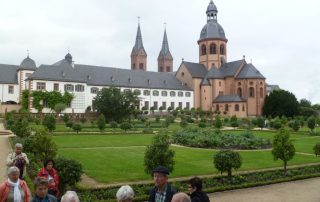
<point>164,105</point>
<point>226,107</point>
<point>251,92</point>
<point>212,49</point>
<point>94,90</point>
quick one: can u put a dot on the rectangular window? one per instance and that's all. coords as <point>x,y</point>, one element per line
<point>41,86</point>
<point>146,92</point>
<point>220,92</point>
<point>68,87</point>
<point>188,105</point>
<point>146,104</point>
<point>164,105</point>
<point>188,94</point>
<point>28,74</point>
<point>180,105</point>
<point>172,105</point>
<point>155,104</point>
<point>180,94</point>
<point>11,89</point>
<point>56,87</point>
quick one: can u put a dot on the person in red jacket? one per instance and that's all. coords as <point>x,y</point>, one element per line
<point>51,175</point>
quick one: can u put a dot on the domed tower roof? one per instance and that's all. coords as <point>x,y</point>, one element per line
<point>68,57</point>
<point>28,64</point>
<point>212,30</point>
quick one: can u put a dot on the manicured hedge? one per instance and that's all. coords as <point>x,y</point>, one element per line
<point>208,138</point>
<point>213,184</point>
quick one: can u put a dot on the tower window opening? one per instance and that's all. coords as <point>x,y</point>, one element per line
<point>203,50</point>
<point>222,49</point>
<point>213,48</point>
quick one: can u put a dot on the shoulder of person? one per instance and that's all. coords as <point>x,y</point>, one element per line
<point>52,198</point>
<point>172,189</point>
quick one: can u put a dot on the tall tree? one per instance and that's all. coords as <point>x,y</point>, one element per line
<point>280,103</point>
<point>282,147</point>
<point>159,153</point>
<point>116,105</point>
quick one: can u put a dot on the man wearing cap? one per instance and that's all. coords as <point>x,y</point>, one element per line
<point>18,159</point>
<point>162,191</point>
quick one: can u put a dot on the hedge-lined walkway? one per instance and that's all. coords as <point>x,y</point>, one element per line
<point>5,149</point>
<point>296,191</point>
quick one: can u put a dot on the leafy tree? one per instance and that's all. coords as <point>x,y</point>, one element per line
<point>66,118</point>
<point>159,153</point>
<point>294,124</point>
<point>316,149</point>
<point>69,124</point>
<point>49,122</point>
<point>276,123</point>
<point>20,127</point>
<point>101,122</point>
<point>25,99</point>
<point>77,127</point>
<point>59,107</point>
<point>43,147</point>
<point>218,122</point>
<point>226,160</point>
<point>311,123</point>
<point>279,103</point>
<point>125,126</point>
<point>260,122</point>
<point>114,104</point>
<point>70,172</point>
<point>283,148</point>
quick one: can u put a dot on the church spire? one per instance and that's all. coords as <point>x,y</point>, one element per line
<point>165,58</point>
<point>138,54</point>
<point>212,12</point>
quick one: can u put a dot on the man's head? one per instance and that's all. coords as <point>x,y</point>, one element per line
<point>195,184</point>
<point>180,197</point>
<point>160,176</point>
<point>13,174</point>
<point>41,187</point>
<point>18,147</point>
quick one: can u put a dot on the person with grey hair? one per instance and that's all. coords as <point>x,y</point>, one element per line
<point>14,189</point>
<point>125,194</point>
<point>70,196</point>
<point>180,197</point>
<point>18,159</point>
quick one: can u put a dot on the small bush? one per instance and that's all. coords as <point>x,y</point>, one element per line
<point>101,122</point>
<point>77,127</point>
<point>157,118</point>
<point>66,118</point>
<point>234,124</point>
<point>49,122</point>
<point>125,126</point>
<point>147,131</point>
<point>316,149</point>
<point>83,120</point>
<point>227,160</point>
<point>113,125</point>
<point>183,123</point>
<point>202,125</point>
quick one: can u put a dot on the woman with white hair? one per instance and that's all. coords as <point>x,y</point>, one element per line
<point>125,194</point>
<point>70,196</point>
<point>14,189</point>
<point>18,159</point>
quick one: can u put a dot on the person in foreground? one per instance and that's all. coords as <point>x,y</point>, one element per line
<point>195,189</point>
<point>180,197</point>
<point>18,159</point>
<point>162,191</point>
<point>41,191</point>
<point>70,196</point>
<point>50,173</point>
<point>14,189</point>
<point>125,194</point>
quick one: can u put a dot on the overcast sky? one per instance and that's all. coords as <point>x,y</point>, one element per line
<point>282,37</point>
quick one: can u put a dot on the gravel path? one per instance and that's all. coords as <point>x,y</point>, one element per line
<point>5,149</point>
<point>297,191</point>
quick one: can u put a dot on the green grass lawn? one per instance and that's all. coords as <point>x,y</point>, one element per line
<point>106,158</point>
<point>126,164</point>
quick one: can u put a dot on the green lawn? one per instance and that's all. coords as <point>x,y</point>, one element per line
<point>126,164</point>
<point>114,158</point>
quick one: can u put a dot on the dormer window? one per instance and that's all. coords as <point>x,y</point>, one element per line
<point>112,79</point>
<point>164,82</point>
<point>149,82</point>
<point>129,80</point>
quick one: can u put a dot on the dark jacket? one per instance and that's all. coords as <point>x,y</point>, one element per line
<point>199,196</point>
<point>48,198</point>
<point>170,192</point>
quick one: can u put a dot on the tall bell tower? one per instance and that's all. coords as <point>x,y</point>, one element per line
<point>138,54</point>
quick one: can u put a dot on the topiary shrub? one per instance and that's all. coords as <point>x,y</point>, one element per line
<point>101,122</point>
<point>157,118</point>
<point>225,161</point>
<point>21,127</point>
<point>69,124</point>
<point>77,127</point>
<point>49,122</point>
<point>202,125</point>
<point>217,122</point>
<point>234,124</point>
<point>316,149</point>
<point>147,131</point>
<point>125,126</point>
<point>70,172</point>
<point>83,120</point>
<point>66,118</point>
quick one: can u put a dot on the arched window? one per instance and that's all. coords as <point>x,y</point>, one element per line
<point>226,107</point>
<point>164,93</point>
<point>146,92</point>
<point>137,92</point>
<point>141,65</point>
<point>94,90</point>
<point>261,92</point>
<point>161,69</point>
<point>172,93</point>
<point>236,107</point>
<point>251,92</point>
<point>155,93</point>
<point>180,94</point>
<point>222,49</point>
<point>239,92</point>
<point>168,68</point>
<point>213,48</point>
<point>203,50</point>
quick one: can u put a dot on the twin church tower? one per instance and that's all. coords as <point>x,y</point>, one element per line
<point>139,55</point>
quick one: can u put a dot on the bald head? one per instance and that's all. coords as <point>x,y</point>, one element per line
<point>180,197</point>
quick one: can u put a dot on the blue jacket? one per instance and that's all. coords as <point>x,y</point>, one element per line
<point>170,192</point>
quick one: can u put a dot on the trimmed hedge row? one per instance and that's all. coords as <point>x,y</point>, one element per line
<point>214,184</point>
<point>208,138</point>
